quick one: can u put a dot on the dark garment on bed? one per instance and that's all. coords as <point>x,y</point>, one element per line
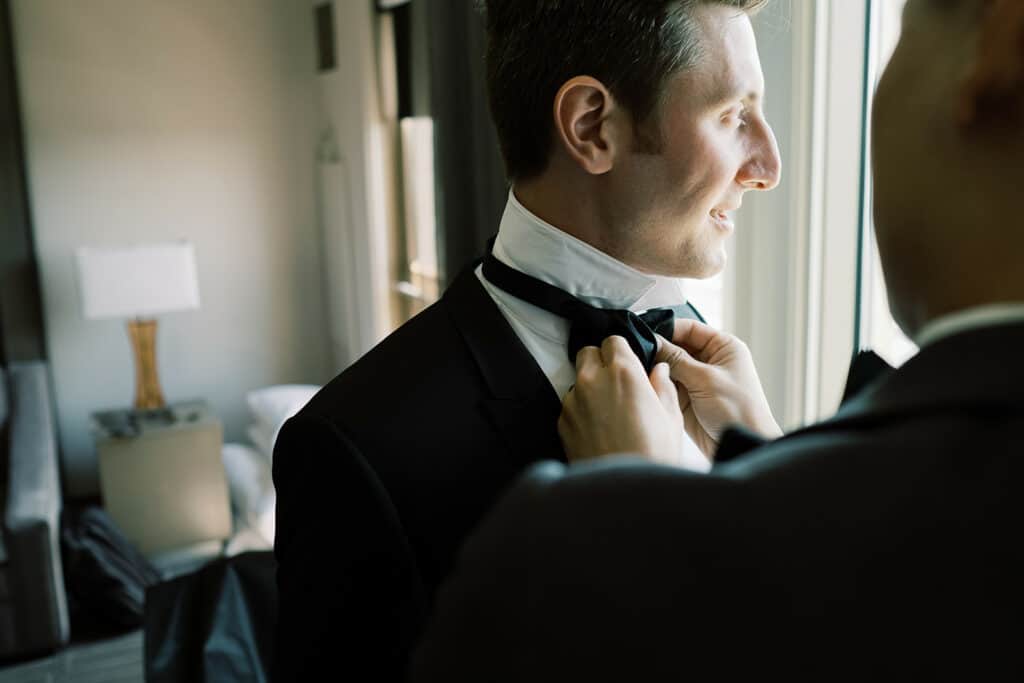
<point>213,625</point>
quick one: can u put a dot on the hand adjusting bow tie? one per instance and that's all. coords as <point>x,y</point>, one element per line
<point>589,325</point>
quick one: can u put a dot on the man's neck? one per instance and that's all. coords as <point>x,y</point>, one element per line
<point>561,206</point>
<point>530,244</point>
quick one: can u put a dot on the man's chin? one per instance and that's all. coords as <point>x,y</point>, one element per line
<point>691,266</point>
<point>703,268</point>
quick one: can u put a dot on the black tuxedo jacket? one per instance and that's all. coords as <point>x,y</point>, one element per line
<point>382,475</point>
<point>882,544</point>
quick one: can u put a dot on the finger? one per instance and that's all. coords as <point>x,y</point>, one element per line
<point>568,418</point>
<point>565,423</point>
<point>685,402</point>
<point>683,367</point>
<point>589,357</point>
<point>696,432</point>
<point>615,350</point>
<point>665,388</point>
<point>694,336</point>
<point>566,431</point>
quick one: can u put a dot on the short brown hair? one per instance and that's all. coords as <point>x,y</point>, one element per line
<point>534,46</point>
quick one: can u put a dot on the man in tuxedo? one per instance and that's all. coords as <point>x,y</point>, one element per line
<point>880,544</point>
<point>631,130</point>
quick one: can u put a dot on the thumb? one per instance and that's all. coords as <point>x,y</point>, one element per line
<point>683,367</point>
<point>664,387</point>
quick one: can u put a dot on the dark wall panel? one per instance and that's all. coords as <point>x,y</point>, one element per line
<point>471,184</point>
<point>21,319</point>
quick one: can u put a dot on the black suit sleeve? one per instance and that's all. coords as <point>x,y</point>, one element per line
<point>617,570</point>
<point>482,627</point>
<point>350,596</point>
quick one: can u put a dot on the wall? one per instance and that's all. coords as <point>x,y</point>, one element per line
<point>148,120</point>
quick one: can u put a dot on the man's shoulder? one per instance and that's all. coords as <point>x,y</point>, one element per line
<point>871,466</point>
<point>422,350</point>
<point>425,363</point>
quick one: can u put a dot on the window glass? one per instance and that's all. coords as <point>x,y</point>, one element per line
<point>877,329</point>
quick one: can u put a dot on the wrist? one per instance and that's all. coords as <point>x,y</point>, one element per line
<point>767,427</point>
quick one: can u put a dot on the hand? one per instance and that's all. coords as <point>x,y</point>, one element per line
<point>616,408</point>
<point>717,384</point>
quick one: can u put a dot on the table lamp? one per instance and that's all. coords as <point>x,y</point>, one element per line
<point>139,282</point>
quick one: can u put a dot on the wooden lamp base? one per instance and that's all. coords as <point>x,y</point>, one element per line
<point>147,386</point>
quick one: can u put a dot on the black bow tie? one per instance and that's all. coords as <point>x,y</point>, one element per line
<point>589,325</point>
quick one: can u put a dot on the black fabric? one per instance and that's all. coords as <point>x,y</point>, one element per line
<point>105,575</point>
<point>867,367</point>
<point>881,544</point>
<point>383,474</point>
<point>448,42</point>
<point>589,325</point>
<point>215,625</point>
<point>22,335</point>
<point>735,442</point>
<point>5,437</point>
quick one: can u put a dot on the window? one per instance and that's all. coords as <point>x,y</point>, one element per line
<point>877,330</point>
<point>792,291</point>
<point>709,298</point>
<point>804,288</point>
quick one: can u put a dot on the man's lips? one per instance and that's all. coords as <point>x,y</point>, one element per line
<point>722,218</point>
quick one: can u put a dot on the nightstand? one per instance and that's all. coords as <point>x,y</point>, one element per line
<point>161,475</point>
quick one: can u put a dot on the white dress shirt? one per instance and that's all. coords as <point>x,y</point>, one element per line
<point>970,319</point>
<point>532,246</point>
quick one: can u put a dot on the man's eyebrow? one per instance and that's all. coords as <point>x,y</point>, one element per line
<point>737,93</point>
<point>729,91</point>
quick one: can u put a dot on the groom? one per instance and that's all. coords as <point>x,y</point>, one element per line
<point>630,130</point>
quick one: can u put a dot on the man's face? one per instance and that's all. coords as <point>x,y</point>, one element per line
<point>672,210</point>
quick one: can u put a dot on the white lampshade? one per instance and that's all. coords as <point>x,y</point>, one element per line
<point>137,281</point>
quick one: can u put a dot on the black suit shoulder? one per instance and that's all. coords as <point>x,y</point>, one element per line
<point>405,393</point>
<point>402,443</point>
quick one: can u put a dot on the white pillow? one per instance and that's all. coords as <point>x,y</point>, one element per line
<point>262,437</point>
<point>265,520</point>
<point>250,482</point>
<point>273,405</point>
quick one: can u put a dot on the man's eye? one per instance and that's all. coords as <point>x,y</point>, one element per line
<point>735,119</point>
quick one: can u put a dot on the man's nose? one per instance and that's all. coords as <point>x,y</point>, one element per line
<point>764,168</point>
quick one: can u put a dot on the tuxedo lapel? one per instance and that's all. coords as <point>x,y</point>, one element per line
<point>522,406</point>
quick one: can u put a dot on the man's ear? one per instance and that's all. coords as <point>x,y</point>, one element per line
<point>587,122</point>
<point>994,87</point>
